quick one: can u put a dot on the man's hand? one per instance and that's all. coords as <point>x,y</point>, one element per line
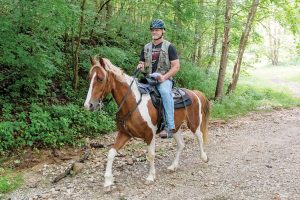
<point>141,66</point>
<point>161,78</point>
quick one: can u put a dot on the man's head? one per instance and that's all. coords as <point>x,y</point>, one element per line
<point>157,28</point>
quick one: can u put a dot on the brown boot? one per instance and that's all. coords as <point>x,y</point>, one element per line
<point>166,133</point>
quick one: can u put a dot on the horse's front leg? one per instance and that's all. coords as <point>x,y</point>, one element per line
<point>109,179</point>
<point>121,139</point>
<point>151,158</point>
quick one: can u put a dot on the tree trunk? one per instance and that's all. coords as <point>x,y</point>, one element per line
<point>196,45</point>
<point>242,46</point>
<point>225,48</point>
<point>274,31</point>
<point>215,40</point>
<point>197,54</point>
<point>108,15</point>
<point>97,16</point>
<point>76,68</point>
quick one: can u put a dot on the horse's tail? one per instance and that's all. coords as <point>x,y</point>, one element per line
<point>205,111</point>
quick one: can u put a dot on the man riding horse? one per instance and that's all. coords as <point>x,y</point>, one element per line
<point>137,117</point>
<point>161,60</point>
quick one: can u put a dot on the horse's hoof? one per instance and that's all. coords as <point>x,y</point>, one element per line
<point>206,160</point>
<point>108,189</point>
<point>172,169</point>
<point>149,182</point>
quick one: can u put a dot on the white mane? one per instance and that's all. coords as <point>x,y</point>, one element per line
<point>119,73</point>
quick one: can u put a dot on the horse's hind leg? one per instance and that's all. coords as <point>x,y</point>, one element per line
<point>180,146</point>
<point>119,143</point>
<point>150,157</point>
<point>199,137</point>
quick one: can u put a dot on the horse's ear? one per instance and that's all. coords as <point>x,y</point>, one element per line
<point>93,60</point>
<point>102,63</point>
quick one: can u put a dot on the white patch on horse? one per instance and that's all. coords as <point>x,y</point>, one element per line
<point>150,158</point>
<point>89,95</point>
<point>143,108</point>
<point>109,179</point>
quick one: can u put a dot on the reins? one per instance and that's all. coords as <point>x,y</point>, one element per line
<point>122,120</point>
<point>136,72</point>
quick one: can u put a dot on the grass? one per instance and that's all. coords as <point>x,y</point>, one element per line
<point>295,78</point>
<point>261,88</point>
<point>9,180</point>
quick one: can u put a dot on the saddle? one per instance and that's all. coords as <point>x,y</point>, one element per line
<point>180,97</point>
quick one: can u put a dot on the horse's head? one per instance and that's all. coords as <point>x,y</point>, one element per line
<point>99,84</point>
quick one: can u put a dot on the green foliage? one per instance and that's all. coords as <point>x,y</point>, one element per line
<point>53,126</point>
<point>193,77</point>
<point>119,57</point>
<point>9,180</point>
<point>30,36</point>
<point>249,98</point>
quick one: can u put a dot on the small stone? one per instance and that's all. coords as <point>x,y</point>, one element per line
<point>130,161</point>
<point>77,168</point>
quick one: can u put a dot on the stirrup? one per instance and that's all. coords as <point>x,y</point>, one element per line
<point>166,134</point>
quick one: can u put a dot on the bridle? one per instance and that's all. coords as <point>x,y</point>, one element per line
<point>120,120</point>
<point>103,99</point>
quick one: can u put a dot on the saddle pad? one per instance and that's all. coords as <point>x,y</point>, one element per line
<point>145,88</point>
<point>180,97</point>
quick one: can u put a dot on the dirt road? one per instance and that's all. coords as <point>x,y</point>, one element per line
<point>254,157</point>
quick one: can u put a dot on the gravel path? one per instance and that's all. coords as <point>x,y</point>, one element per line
<point>293,86</point>
<point>254,157</point>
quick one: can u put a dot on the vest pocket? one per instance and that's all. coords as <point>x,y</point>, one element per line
<point>147,58</point>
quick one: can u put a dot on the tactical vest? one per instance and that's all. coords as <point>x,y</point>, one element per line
<point>163,65</point>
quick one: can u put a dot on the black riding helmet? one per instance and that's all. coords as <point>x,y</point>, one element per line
<point>157,23</point>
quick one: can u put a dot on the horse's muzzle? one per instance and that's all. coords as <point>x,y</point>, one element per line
<point>93,106</point>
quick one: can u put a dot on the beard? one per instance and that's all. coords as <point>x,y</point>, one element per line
<point>156,36</point>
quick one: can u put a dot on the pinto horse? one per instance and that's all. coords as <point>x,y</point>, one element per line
<point>142,116</point>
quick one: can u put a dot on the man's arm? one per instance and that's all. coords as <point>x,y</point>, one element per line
<point>141,64</point>
<point>175,66</point>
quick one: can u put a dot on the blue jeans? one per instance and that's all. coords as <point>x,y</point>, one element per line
<point>165,90</point>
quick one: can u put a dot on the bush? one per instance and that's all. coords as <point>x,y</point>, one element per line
<point>125,59</point>
<point>193,77</point>
<point>53,126</point>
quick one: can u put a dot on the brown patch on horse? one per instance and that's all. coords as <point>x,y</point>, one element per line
<point>191,113</point>
<point>135,124</point>
<point>102,62</point>
<point>121,140</point>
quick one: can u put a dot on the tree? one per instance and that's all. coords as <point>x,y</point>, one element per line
<point>215,38</point>
<point>225,49</point>
<point>274,34</point>
<point>242,46</point>
<point>76,67</point>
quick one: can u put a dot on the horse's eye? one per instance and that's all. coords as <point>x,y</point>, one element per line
<point>99,80</point>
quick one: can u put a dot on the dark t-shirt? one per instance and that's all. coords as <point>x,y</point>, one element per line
<point>155,55</point>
